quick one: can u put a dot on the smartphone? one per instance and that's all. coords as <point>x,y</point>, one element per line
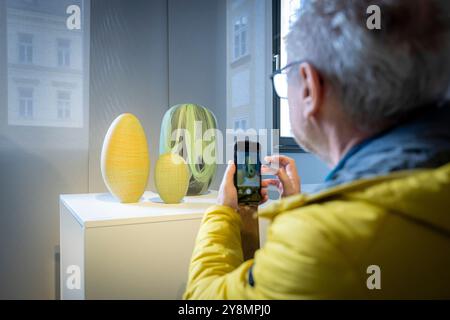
<point>247,177</point>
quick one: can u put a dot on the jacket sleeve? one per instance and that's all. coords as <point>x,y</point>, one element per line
<point>304,256</point>
<point>217,270</point>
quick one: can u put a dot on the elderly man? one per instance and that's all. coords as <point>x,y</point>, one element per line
<point>370,103</point>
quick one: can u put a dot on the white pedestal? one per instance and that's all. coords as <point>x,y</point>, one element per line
<point>127,251</point>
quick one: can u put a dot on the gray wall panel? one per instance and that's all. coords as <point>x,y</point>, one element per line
<point>128,73</point>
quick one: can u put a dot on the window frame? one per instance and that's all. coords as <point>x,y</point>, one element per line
<point>25,48</point>
<point>26,102</point>
<point>286,144</point>
<point>63,105</point>
<point>240,120</point>
<point>238,34</point>
<point>63,52</point>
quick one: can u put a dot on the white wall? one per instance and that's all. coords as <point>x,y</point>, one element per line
<point>36,165</point>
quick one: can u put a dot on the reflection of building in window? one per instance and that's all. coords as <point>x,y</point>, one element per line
<point>240,37</point>
<point>248,63</point>
<point>25,48</point>
<point>26,103</point>
<point>63,104</point>
<point>240,124</point>
<point>63,52</point>
<point>46,56</point>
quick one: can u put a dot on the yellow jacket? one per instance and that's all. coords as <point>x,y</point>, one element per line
<point>321,246</point>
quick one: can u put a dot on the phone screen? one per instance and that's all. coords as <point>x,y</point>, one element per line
<point>248,172</point>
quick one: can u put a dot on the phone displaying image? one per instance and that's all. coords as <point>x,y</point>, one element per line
<point>247,178</point>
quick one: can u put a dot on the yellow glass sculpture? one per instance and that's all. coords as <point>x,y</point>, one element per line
<point>125,161</point>
<point>171,177</point>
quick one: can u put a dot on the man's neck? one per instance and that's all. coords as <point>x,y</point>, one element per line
<point>342,141</point>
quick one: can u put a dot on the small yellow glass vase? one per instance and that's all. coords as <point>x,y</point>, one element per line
<point>125,160</point>
<point>171,177</point>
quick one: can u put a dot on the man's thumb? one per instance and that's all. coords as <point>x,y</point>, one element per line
<point>231,168</point>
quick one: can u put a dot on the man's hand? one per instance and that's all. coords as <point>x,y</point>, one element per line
<point>288,181</point>
<point>228,194</point>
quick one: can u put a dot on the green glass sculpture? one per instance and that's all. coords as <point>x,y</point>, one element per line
<point>182,134</point>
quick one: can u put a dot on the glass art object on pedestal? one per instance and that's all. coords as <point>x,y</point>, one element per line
<point>125,160</point>
<point>171,177</point>
<point>189,130</point>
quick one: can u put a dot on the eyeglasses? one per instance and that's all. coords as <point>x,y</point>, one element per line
<point>280,79</point>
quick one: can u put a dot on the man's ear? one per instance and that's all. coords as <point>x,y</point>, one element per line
<point>312,89</point>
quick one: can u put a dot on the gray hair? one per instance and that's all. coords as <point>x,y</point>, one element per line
<point>378,75</point>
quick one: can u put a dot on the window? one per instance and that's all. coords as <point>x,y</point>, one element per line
<point>244,124</point>
<point>292,8</point>
<point>284,14</point>
<point>63,52</point>
<point>240,37</point>
<point>63,105</point>
<point>240,124</point>
<point>25,48</point>
<point>26,103</point>
<point>247,67</point>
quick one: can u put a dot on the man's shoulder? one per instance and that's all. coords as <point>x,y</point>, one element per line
<point>357,210</point>
<point>372,192</point>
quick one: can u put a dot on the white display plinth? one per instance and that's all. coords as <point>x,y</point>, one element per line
<point>127,251</point>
